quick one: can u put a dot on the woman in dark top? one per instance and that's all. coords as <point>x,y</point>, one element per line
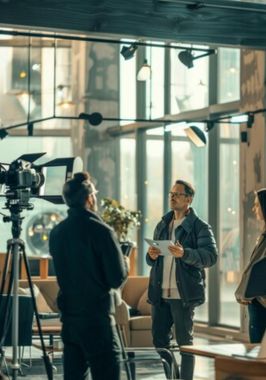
<point>256,305</point>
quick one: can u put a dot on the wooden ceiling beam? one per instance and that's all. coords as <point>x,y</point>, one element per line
<point>224,23</point>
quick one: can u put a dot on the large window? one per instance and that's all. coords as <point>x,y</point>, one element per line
<point>229,256</point>
<point>155,86</point>
<point>191,164</point>
<point>127,92</point>
<point>189,87</point>
<point>228,75</point>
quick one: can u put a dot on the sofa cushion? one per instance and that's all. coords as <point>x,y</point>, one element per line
<point>140,323</point>
<point>143,306</point>
<point>41,303</point>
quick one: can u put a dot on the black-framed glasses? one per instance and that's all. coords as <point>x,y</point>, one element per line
<point>175,195</point>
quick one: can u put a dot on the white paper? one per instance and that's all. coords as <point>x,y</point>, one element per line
<point>162,245</point>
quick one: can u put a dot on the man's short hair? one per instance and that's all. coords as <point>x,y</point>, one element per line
<point>189,189</point>
<point>77,189</point>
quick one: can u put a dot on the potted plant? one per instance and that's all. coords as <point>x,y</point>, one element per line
<point>121,220</point>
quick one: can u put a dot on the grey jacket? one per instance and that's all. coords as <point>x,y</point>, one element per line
<point>200,251</point>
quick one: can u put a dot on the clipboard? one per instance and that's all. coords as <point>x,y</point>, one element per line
<point>161,245</point>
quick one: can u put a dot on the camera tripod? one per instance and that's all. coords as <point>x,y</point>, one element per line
<point>16,249</point>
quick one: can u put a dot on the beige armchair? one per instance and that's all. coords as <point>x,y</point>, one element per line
<point>136,330</point>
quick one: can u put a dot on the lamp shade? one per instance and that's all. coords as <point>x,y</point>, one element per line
<point>145,72</point>
<point>197,136</point>
<point>128,51</point>
<point>3,134</point>
<point>186,58</point>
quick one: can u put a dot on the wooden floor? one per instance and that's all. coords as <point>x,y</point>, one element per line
<point>204,368</point>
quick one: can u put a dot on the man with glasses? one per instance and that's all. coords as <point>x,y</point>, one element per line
<point>177,280</point>
<point>88,263</point>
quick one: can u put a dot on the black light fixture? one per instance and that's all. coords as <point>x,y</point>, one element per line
<point>30,129</point>
<point>196,135</point>
<point>94,119</point>
<point>186,57</point>
<point>209,126</point>
<point>3,133</point>
<point>128,51</point>
<point>250,120</point>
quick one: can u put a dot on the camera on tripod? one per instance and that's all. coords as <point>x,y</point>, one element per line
<point>22,179</point>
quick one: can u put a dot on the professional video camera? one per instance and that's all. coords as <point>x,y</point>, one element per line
<point>19,181</point>
<point>22,180</point>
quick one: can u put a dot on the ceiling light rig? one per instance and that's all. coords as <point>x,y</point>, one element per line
<point>193,132</point>
<point>187,58</point>
<point>128,52</point>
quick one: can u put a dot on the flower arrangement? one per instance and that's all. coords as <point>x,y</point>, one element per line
<point>120,219</point>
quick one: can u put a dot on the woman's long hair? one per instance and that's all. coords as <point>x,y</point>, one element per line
<point>261,194</point>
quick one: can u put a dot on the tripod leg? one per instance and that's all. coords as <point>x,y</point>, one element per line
<point>6,265</point>
<point>48,365</point>
<point>15,311</point>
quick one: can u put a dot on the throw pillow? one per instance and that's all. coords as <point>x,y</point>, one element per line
<point>41,303</point>
<point>143,306</point>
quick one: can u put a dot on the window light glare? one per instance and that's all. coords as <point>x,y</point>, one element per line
<point>239,119</point>
<point>22,74</point>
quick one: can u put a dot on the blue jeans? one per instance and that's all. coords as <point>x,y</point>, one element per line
<point>257,321</point>
<point>94,347</point>
<point>169,313</point>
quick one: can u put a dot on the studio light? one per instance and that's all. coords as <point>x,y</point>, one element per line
<point>30,129</point>
<point>145,72</point>
<point>3,134</point>
<point>186,57</point>
<point>197,136</point>
<point>128,51</point>
<point>94,119</point>
<point>250,120</point>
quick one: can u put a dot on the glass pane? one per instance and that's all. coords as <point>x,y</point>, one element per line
<point>128,196</point>
<point>14,95</point>
<point>229,231</point>
<point>189,87</point>
<point>155,87</point>
<point>229,75</point>
<point>42,79</point>
<point>127,176</point>
<point>154,187</point>
<point>38,222</point>
<point>127,83</point>
<point>191,164</point>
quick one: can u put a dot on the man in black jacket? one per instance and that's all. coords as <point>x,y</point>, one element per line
<point>88,263</point>
<point>177,280</point>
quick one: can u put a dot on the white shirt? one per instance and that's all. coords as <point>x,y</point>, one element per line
<point>169,269</point>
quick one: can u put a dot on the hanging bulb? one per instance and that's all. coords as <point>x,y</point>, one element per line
<point>145,72</point>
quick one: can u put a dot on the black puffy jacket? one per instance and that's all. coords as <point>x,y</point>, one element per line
<point>200,251</point>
